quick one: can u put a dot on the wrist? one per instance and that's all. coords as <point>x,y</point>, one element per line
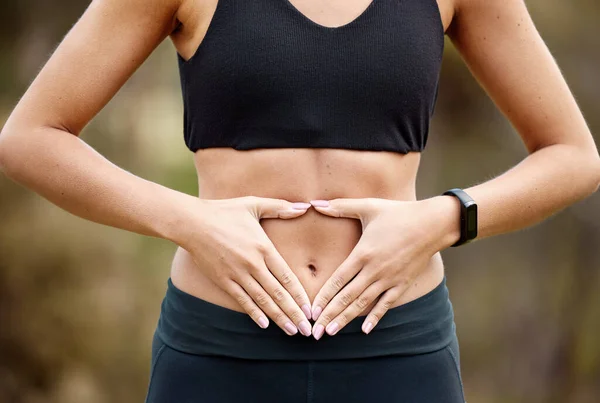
<point>445,216</point>
<point>179,221</point>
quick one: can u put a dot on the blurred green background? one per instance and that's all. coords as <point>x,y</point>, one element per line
<point>79,301</point>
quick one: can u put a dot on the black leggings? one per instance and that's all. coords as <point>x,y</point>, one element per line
<point>205,353</point>
<point>179,377</point>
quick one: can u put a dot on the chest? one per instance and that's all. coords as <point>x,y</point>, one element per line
<point>270,49</point>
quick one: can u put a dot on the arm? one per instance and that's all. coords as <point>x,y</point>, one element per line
<point>39,144</point>
<point>506,54</point>
<point>40,148</point>
<point>504,51</point>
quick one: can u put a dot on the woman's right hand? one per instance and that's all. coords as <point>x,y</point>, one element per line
<point>226,240</point>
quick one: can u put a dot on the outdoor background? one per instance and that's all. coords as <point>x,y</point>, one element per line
<point>79,301</point>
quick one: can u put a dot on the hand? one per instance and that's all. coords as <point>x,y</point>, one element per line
<point>398,240</point>
<point>227,241</point>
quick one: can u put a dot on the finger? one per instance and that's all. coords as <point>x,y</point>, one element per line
<point>357,306</point>
<point>286,277</point>
<point>264,301</point>
<point>283,299</point>
<point>340,277</point>
<point>381,307</point>
<point>345,207</point>
<point>246,302</point>
<point>263,207</point>
<point>342,300</point>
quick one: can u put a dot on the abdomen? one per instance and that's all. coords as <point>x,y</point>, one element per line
<point>313,245</point>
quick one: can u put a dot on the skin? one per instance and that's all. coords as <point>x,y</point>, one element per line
<point>365,245</point>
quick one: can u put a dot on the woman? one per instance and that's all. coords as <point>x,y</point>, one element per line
<point>306,120</point>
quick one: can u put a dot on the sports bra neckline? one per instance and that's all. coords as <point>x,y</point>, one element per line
<point>361,15</point>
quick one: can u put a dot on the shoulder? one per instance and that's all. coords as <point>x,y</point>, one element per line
<point>461,5</point>
<point>490,13</point>
<point>161,13</point>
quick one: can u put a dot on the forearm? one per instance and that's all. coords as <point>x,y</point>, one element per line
<point>545,182</point>
<point>65,170</point>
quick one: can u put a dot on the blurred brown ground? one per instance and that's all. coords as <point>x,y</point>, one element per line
<point>79,301</point>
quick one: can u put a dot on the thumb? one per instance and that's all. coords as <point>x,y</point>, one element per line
<point>278,208</point>
<point>360,209</point>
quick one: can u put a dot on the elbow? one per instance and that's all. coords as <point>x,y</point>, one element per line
<point>590,170</point>
<point>584,165</point>
<point>11,152</point>
<point>4,151</point>
<point>595,174</point>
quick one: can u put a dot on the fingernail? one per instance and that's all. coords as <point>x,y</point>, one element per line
<point>316,312</point>
<point>332,328</point>
<point>306,310</point>
<point>367,327</point>
<point>319,203</point>
<point>318,331</point>
<point>305,328</point>
<point>263,322</point>
<point>300,206</point>
<point>292,330</point>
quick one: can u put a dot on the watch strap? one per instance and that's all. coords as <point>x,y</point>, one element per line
<point>468,215</point>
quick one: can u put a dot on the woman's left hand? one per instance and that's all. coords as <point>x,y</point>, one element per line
<point>398,240</point>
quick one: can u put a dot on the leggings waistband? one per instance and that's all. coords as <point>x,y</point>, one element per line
<point>196,326</point>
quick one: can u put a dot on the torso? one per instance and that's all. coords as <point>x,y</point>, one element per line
<point>313,245</point>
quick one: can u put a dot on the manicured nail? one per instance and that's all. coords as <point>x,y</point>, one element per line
<point>263,322</point>
<point>367,327</point>
<point>291,329</point>
<point>300,206</point>
<point>306,310</point>
<point>316,312</point>
<point>319,203</point>
<point>305,328</point>
<point>332,328</point>
<point>318,331</point>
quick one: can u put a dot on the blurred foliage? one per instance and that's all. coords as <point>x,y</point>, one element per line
<point>79,301</point>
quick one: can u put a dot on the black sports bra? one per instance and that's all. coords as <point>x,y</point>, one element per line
<point>266,76</point>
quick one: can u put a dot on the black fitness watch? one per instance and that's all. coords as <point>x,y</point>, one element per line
<point>468,215</point>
